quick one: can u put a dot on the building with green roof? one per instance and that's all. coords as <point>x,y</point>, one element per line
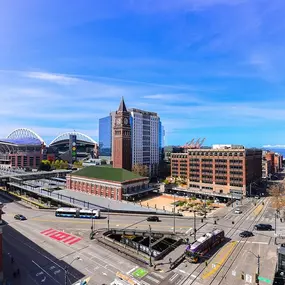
<point>109,182</point>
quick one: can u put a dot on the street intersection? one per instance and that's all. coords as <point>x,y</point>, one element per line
<point>225,265</point>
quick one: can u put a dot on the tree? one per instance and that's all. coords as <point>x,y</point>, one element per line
<point>78,164</point>
<point>45,165</point>
<point>140,169</point>
<point>277,191</point>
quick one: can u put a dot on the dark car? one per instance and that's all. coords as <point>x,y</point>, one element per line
<point>263,227</point>
<point>20,217</point>
<point>246,234</point>
<point>153,219</point>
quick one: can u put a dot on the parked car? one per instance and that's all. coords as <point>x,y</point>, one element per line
<point>263,227</point>
<point>153,219</point>
<point>20,217</point>
<point>216,201</point>
<point>256,197</point>
<point>246,234</point>
<point>238,211</point>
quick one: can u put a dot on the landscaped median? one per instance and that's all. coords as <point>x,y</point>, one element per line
<point>25,199</point>
<point>219,259</point>
<point>258,209</point>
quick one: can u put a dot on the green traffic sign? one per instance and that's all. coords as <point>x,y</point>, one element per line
<point>264,280</point>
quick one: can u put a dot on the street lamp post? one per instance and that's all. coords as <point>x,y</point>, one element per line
<point>258,265</point>
<point>149,246</point>
<point>108,216</point>
<point>66,269</point>
<point>174,213</point>
<point>195,225</point>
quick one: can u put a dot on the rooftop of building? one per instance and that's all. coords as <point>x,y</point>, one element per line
<point>135,110</point>
<point>22,141</point>
<point>107,173</point>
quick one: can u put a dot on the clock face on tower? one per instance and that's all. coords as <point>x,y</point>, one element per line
<point>126,121</point>
<point>118,121</point>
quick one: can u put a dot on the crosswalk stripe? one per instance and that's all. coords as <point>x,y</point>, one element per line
<point>157,275</point>
<point>152,279</point>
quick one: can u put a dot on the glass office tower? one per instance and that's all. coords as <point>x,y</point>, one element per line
<point>105,137</point>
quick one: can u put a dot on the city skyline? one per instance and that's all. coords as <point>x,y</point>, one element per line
<point>210,68</point>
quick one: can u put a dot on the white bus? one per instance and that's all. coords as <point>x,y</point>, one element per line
<point>77,213</point>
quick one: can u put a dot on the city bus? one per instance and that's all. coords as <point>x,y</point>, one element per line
<point>77,213</point>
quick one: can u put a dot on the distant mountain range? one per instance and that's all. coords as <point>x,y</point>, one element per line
<point>276,148</point>
<point>280,146</point>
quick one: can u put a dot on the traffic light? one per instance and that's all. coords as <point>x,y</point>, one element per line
<point>242,276</point>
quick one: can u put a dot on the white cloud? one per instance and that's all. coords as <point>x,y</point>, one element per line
<point>53,77</point>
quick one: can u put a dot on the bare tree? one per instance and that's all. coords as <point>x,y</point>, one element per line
<point>140,169</point>
<point>277,192</point>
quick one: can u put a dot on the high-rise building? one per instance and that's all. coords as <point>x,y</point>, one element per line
<point>122,151</point>
<point>147,138</point>
<point>221,169</point>
<point>105,137</point>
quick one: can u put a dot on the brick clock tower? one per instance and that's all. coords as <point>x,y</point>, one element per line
<point>122,156</point>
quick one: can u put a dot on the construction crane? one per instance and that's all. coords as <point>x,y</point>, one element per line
<point>194,144</point>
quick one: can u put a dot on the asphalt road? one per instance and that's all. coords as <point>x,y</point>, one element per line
<point>50,256</point>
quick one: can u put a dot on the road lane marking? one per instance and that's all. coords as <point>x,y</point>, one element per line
<point>158,275</point>
<point>45,272</point>
<point>188,231</point>
<point>259,242</point>
<point>97,223</point>
<point>152,279</point>
<point>133,269</point>
<point>219,263</point>
<point>173,277</point>
<point>61,236</point>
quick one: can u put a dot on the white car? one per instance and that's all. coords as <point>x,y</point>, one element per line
<point>238,211</point>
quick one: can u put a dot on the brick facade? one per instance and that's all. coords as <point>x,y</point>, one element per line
<point>122,152</point>
<point>104,188</point>
<point>218,170</point>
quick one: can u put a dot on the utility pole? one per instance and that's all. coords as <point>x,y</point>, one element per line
<point>258,268</point>
<point>194,225</point>
<point>174,213</point>
<point>108,216</point>
<point>275,223</point>
<point>149,246</point>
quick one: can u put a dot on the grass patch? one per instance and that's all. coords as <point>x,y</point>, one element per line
<point>140,273</point>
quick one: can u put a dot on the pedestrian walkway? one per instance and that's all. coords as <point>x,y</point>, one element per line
<point>9,269</point>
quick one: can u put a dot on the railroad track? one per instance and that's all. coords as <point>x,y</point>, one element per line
<point>232,230</point>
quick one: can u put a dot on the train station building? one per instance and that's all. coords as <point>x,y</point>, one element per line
<point>114,183</point>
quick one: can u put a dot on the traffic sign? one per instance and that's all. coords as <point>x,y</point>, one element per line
<point>264,280</point>
<point>248,278</point>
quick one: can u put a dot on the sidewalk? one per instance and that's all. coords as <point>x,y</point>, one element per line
<point>9,269</point>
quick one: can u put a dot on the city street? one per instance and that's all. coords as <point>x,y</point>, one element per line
<point>43,257</point>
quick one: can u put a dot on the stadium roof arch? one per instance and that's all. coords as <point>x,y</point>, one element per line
<point>79,136</point>
<point>24,136</point>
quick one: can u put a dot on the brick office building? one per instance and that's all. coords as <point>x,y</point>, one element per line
<point>114,183</point>
<point>275,161</point>
<point>221,169</point>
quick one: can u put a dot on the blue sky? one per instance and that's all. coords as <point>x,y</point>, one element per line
<point>210,68</point>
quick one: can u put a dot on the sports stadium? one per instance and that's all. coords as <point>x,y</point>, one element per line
<point>23,148</point>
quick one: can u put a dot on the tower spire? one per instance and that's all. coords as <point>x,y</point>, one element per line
<point>122,107</point>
